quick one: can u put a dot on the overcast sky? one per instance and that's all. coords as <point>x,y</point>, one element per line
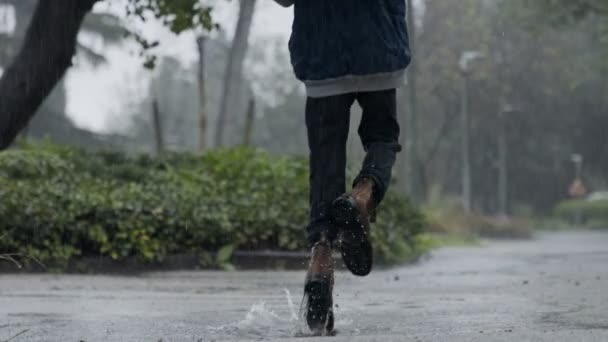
<point>97,97</point>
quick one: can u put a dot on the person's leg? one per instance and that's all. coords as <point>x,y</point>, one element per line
<point>352,212</point>
<point>327,122</point>
<point>379,132</point>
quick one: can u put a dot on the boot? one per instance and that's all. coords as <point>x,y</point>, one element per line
<point>318,289</point>
<point>352,214</point>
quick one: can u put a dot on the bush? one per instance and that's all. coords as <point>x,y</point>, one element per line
<point>61,203</point>
<point>592,213</point>
<point>450,218</point>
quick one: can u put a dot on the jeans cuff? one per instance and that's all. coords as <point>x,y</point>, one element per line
<point>379,187</point>
<point>316,230</point>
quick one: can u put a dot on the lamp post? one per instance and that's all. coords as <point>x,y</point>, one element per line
<point>503,150</point>
<point>577,159</point>
<point>464,63</point>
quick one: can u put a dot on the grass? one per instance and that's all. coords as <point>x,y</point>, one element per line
<point>456,223</point>
<point>429,241</point>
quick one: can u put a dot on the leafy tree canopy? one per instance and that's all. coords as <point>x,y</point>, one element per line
<point>177,15</point>
<point>559,12</point>
<point>588,18</point>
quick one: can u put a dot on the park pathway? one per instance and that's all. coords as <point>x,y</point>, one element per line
<point>551,288</point>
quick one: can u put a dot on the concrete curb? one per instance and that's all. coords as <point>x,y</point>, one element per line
<point>242,260</point>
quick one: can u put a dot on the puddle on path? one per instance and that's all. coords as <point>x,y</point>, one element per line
<point>266,321</point>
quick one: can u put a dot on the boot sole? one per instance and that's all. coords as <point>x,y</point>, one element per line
<point>319,314</point>
<point>346,217</point>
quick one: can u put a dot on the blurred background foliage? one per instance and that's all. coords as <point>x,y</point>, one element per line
<point>537,95</point>
<point>60,203</point>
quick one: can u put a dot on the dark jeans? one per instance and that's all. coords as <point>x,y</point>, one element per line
<point>328,121</point>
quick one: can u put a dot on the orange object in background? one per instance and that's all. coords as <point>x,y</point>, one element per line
<point>577,189</point>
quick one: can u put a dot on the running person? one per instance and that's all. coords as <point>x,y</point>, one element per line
<point>346,51</point>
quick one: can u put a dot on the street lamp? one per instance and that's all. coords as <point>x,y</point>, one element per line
<point>466,58</point>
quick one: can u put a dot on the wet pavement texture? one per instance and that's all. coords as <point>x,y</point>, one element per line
<point>551,288</point>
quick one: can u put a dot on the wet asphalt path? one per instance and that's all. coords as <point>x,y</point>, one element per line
<point>552,288</point>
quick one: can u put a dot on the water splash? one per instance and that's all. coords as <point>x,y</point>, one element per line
<point>264,321</point>
<point>292,307</point>
<point>267,321</point>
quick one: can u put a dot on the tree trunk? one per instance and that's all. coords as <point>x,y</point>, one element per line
<point>159,143</point>
<point>202,116</point>
<point>411,145</point>
<point>249,121</point>
<point>46,54</point>
<point>503,150</point>
<point>234,69</point>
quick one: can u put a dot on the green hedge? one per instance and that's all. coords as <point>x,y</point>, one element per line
<point>60,203</point>
<point>592,213</point>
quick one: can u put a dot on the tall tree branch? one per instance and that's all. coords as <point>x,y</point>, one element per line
<point>234,68</point>
<point>46,54</point>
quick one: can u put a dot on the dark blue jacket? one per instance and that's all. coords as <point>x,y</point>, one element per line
<point>335,38</point>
